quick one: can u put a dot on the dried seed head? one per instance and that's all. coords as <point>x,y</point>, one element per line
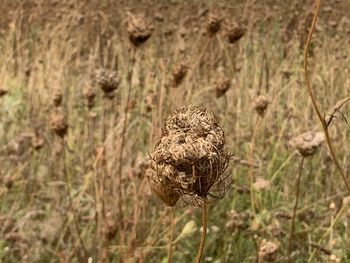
<point>308,142</point>
<point>268,251</point>
<point>89,95</point>
<point>150,101</point>
<point>58,123</point>
<point>191,156</point>
<point>139,29</point>
<point>222,85</point>
<point>37,142</point>
<point>234,33</point>
<point>260,104</point>
<point>179,73</point>
<point>107,80</point>
<point>57,97</point>
<point>213,24</point>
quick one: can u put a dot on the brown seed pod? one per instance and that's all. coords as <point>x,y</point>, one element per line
<point>267,251</point>
<point>89,95</point>
<point>107,80</point>
<point>222,85</point>
<point>139,29</point>
<point>58,123</point>
<point>213,24</point>
<point>307,143</point>
<point>191,154</point>
<point>179,73</point>
<point>234,33</point>
<point>57,97</point>
<point>260,104</point>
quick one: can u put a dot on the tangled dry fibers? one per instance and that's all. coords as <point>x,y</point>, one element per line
<point>189,158</point>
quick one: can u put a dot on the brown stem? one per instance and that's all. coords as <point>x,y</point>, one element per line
<point>171,238</point>
<point>313,99</point>
<point>204,233</point>
<point>297,190</point>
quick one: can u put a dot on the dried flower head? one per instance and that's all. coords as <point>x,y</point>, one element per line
<point>58,123</point>
<point>37,142</point>
<point>107,80</point>
<point>150,101</point>
<point>234,33</point>
<point>308,142</point>
<point>179,73</point>
<point>3,91</point>
<point>213,24</point>
<point>222,85</point>
<point>260,104</point>
<point>191,156</point>
<point>267,251</point>
<point>57,97</point>
<point>89,95</point>
<point>139,29</point>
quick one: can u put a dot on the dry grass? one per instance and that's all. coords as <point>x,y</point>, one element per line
<point>159,57</point>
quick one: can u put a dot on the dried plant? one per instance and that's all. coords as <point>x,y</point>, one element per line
<point>179,73</point>
<point>107,80</point>
<point>222,85</point>
<point>57,97</point>
<point>213,23</point>
<point>58,123</point>
<point>260,104</point>
<point>234,32</point>
<point>308,143</point>
<point>139,29</point>
<point>189,159</point>
<point>89,95</point>
<point>268,251</point>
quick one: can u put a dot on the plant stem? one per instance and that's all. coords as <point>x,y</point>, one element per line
<point>70,200</point>
<point>204,233</point>
<point>297,190</point>
<point>313,99</point>
<point>171,238</point>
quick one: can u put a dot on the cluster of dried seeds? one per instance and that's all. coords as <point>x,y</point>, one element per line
<point>307,143</point>
<point>190,157</point>
<point>139,29</point>
<point>107,80</point>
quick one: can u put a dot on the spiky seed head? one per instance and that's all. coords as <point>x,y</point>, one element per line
<point>58,123</point>
<point>213,24</point>
<point>268,251</point>
<point>179,73</point>
<point>234,32</point>
<point>139,29</point>
<point>307,143</point>
<point>260,104</point>
<point>191,154</point>
<point>107,80</point>
<point>222,85</point>
<point>89,94</point>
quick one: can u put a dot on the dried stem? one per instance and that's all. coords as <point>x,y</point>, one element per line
<point>250,171</point>
<point>313,99</point>
<point>204,233</point>
<point>297,190</point>
<point>171,238</point>
<point>76,223</point>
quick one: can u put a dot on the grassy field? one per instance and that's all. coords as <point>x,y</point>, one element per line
<point>83,103</point>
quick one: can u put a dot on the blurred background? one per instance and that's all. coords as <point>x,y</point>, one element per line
<point>85,87</point>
